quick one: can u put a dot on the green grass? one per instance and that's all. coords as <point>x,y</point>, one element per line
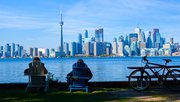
<point>97,95</point>
<point>54,96</point>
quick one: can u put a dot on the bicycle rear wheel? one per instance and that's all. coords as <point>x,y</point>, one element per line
<point>172,80</point>
<point>139,80</point>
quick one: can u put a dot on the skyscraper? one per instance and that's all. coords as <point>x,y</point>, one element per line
<point>17,49</point>
<point>142,37</point>
<point>99,37</point>
<point>1,51</point>
<point>35,52</point>
<point>7,50</point>
<point>79,44</point>
<point>30,52</point>
<point>120,48</point>
<point>156,38</point>
<point>80,39</point>
<point>89,48</point>
<point>13,50</point>
<point>127,50</point>
<point>121,39</point>
<point>66,48</point>
<point>47,52</point>
<point>99,48</point>
<point>171,40</point>
<point>114,46</point>
<point>134,49</point>
<point>86,34</point>
<point>133,37</point>
<point>149,43</point>
<point>20,51</point>
<point>138,31</point>
<point>52,53</point>
<point>73,48</point>
<point>126,41</point>
<point>108,48</point>
<point>61,52</point>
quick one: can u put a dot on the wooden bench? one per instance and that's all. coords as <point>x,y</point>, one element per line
<point>76,87</point>
<point>79,84</point>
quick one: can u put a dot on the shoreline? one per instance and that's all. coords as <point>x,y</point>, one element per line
<point>92,57</point>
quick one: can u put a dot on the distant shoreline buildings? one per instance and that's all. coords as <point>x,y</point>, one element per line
<point>136,43</point>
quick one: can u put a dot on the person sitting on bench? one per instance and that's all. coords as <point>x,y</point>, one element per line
<point>80,74</point>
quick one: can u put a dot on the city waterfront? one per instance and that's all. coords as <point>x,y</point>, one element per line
<point>103,68</point>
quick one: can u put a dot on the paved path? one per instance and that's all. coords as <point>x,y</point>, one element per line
<point>157,94</point>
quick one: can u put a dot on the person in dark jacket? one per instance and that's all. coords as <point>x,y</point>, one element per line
<point>80,69</point>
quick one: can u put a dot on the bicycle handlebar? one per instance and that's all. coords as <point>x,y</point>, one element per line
<point>145,58</point>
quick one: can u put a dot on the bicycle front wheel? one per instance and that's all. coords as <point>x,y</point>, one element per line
<point>172,80</point>
<point>139,80</point>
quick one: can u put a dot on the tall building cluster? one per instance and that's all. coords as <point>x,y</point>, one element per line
<point>12,50</point>
<point>136,43</point>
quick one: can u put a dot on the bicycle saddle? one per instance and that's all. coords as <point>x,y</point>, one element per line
<point>167,60</point>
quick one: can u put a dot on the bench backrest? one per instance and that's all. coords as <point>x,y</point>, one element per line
<point>80,72</point>
<point>36,68</point>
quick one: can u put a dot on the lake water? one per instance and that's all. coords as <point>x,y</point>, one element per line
<point>103,69</point>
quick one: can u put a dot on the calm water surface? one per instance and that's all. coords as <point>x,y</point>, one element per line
<point>103,69</point>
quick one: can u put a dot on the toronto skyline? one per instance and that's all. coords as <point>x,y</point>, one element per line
<point>33,23</point>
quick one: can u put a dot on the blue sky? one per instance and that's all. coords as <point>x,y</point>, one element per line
<point>35,23</point>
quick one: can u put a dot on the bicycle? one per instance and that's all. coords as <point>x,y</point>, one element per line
<point>140,79</point>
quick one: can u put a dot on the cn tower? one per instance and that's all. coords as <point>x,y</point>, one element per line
<point>61,47</point>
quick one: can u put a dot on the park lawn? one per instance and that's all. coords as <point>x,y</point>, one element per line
<point>96,95</point>
<point>55,96</point>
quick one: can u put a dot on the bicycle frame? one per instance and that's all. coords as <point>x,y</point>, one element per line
<point>140,79</point>
<point>159,66</point>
